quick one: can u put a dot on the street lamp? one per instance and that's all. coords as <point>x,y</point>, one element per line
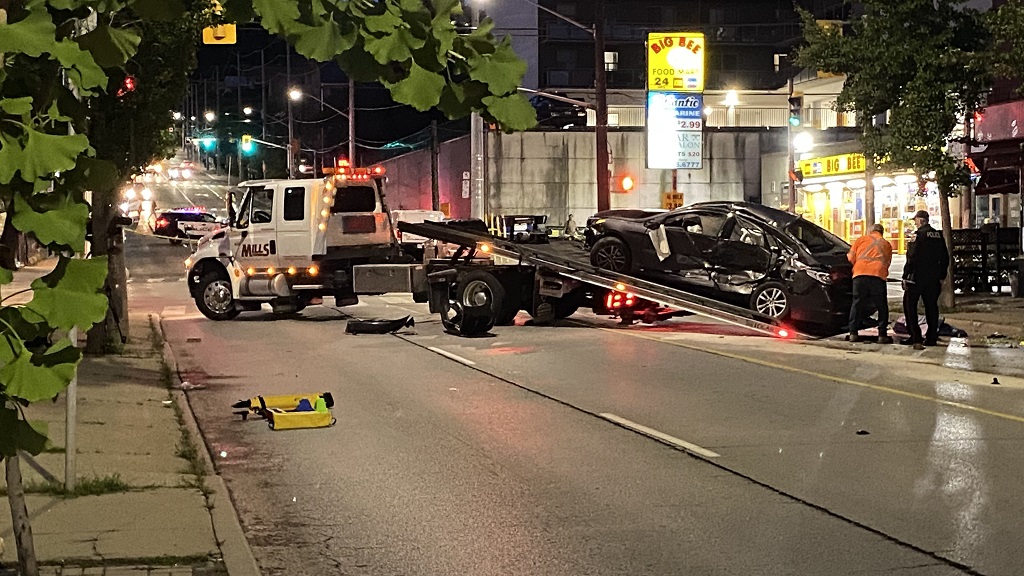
<point>295,94</point>
<point>210,116</point>
<point>247,110</point>
<point>176,116</point>
<point>803,143</point>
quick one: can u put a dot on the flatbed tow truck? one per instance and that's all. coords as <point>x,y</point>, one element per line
<point>294,243</point>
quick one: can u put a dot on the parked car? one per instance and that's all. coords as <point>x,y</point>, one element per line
<point>558,114</point>
<point>773,262</point>
<point>184,223</point>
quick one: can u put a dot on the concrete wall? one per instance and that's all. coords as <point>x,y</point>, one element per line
<point>408,184</point>
<point>553,173</point>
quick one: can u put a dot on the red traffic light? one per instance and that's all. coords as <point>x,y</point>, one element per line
<point>627,183</point>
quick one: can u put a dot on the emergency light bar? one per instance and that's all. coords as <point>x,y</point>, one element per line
<point>346,172</point>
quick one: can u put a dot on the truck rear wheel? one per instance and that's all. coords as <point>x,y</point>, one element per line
<point>481,288</point>
<point>214,298</point>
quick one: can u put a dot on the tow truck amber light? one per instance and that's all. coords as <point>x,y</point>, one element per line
<point>250,271</point>
<point>322,227</point>
<point>485,248</point>
<point>378,170</point>
<point>327,199</point>
<point>325,213</point>
<point>291,270</point>
<point>270,271</point>
<point>313,271</point>
<point>620,287</point>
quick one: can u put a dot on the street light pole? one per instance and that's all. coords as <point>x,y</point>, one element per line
<point>601,123</point>
<point>352,122</point>
<point>291,126</point>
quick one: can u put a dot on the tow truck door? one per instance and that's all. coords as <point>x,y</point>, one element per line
<point>257,224</point>
<point>294,228</point>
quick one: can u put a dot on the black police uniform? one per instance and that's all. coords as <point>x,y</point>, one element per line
<point>927,262</point>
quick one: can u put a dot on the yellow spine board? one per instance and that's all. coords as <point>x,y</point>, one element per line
<point>279,420</point>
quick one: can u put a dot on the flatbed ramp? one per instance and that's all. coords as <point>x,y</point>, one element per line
<point>553,260</point>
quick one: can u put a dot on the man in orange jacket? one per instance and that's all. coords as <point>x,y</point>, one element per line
<point>870,255</point>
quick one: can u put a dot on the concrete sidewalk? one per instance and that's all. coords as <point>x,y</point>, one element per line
<point>146,502</point>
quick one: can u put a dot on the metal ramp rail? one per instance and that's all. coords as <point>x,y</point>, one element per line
<point>586,272</point>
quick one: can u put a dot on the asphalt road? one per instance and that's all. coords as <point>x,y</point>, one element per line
<point>589,449</point>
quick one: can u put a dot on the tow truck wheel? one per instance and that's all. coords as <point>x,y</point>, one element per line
<point>611,253</point>
<point>770,299</point>
<point>480,288</point>
<point>214,298</point>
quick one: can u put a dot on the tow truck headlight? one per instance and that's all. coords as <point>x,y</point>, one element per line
<point>147,194</point>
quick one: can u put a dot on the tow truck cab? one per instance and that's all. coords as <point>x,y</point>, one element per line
<point>290,243</point>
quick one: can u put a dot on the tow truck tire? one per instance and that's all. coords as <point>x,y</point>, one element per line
<point>611,253</point>
<point>481,288</point>
<point>770,299</point>
<point>213,297</point>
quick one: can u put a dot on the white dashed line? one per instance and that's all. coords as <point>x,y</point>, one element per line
<point>689,447</point>
<point>451,356</point>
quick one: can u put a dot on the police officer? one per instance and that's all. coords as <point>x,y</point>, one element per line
<point>927,263</point>
<point>870,255</point>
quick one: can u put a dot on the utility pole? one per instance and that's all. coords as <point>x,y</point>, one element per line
<point>352,122</point>
<point>601,127</point>
<point>435,187</point>
<point>291,131</point>
<point>238,98</point>
<point>476,145</point>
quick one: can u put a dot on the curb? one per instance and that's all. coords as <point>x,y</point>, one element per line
<point>227,527</point>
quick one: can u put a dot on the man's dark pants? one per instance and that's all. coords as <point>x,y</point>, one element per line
<point>929,292</point>
<point>869,289</point>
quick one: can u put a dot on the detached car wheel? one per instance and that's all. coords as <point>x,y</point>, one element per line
<point>770,299</point>
<point>214,298</point>
<point>610,253</point>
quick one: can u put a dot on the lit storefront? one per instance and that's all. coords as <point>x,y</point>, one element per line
<point>999,158</point>
<point>832,196</point>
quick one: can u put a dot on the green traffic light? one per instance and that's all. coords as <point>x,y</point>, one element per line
<point>209,143</point>
<point>248,148</point>
<point>794,120</point>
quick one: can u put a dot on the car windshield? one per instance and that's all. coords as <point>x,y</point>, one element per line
<point>816,239</point>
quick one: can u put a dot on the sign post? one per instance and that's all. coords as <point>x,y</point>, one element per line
<point>675,100</point>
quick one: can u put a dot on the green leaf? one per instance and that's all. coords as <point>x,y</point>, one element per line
<point>323,42</point>
<point>17,106</point>
<point>6,276</point>
<point>81,68</point>
<point>421,89</point>
<point>110,47</point>
<point>27,325</point>
<point>385,23</point>
<point>61,220</point>
<point>36,377</point>
<point>277,16</point>
<point>45,154</point>
<point>395,47</point>
<point>159,10</point>
<point>32,36</point>
<point>72,295</point>
<point>11,154</point>
<point>513,112</point>
<point>17,434</point>
<point>502,71</point>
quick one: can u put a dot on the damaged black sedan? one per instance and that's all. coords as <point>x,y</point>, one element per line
<point>773,262</point>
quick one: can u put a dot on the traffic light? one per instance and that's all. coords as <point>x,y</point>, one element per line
<point>247,146</point>
<point>626,183</point>
<point>127,85</point>
<point>209,142</point>
<point>796,104</point>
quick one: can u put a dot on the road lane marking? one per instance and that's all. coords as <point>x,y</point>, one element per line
<point>451,356</point>
<point>838,379</point>
<point>214,191</point>
<point>185,196</point>
<point>688,446</point>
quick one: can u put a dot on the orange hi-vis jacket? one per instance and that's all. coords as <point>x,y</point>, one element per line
<point>871,256</point>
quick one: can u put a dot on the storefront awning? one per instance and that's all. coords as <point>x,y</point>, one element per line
<point>1005,180</point>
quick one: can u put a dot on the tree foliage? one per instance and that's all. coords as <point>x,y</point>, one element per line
<point>924,63</point>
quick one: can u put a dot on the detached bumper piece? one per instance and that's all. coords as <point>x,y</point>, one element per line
<point>378,325</point>
<point>290,412</point>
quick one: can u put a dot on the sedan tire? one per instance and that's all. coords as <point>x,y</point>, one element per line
<point>611,253</point>
<point>770,299</point>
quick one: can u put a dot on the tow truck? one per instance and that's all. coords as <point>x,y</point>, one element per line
<point>293,243</point>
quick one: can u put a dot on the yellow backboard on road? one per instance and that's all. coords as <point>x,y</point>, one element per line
<point>223,34</point>
<point>675,62</point>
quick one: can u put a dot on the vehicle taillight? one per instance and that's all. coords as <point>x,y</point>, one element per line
<point>161,222</point>
<point>398,233</point>
<point>619,300</point>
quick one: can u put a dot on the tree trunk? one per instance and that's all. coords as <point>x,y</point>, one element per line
<point>946,298</point>
<point>869,193</point>
<point>19,515</point>
<point>108,336</point>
